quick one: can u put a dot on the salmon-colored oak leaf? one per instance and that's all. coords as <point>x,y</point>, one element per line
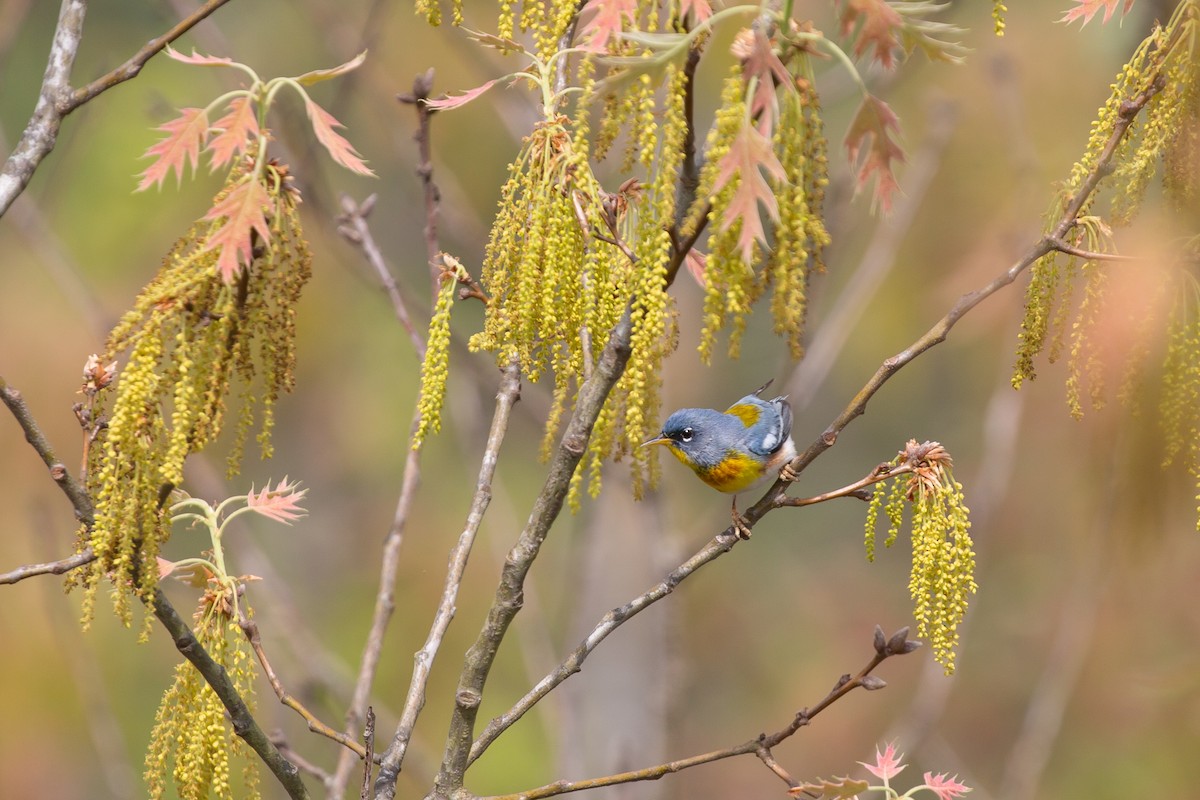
<point>873,131</point>
<point>749,153</point>
<point>606,23</point>
<point>194,575</point>
<point>830,788</point>
<point>945,787</point>
<point>198,59</point>
<point>762,63</point>
<point>461,99</point>
<point>887,764</point>
<point>281,503</point>
<point>235,133</point>
<point>340,150</point>
<point>185,134</point>
<point>1086,9</point>
<point>318,75</point>
<point>244,210</point>
<point>696,264</point>
<point>873,23</point>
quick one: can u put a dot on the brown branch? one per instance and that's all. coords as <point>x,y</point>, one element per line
<point>250,630</point>
<point>49,568</point>
<point>56,99</point>
<point>1088,255</point>
<point>385,601</point>
<point>243,723</point>
<point>508,394</point>
<point>898,644</point>
<point>364,792</point>
<point>352,225</point>
<point>74,491</point>
<point>880,473</point>
<point>304,765</point>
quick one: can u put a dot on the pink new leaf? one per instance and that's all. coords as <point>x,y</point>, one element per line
<point>236,130</point>
<point>281,503</point>
<point>454,101</point>
<point>696,264</point>
<point>887,764</point>
<point>198,59</point>
<point>244,211</point>
<point>749,152</point>
<point>185,134</point>
<point>318,75</point>
<point>761,62</point>
<point>194,575</point>
<point>873,130</point>
<point>606,23</point>
<point>1086,9</point>
<point>342,151</point>
<point>874,23</point>
<point>945,787</point>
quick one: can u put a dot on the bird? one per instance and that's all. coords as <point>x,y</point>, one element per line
<point>733,450</point>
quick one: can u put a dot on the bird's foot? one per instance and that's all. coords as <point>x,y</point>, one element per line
<point>741,526</point>
<point>786,473</point>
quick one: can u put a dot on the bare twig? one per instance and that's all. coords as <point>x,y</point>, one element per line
<point>1087,255</point>
<point>58,471</point>
<point>352,225</point>
<point>304,765</point>
<point>897,644</point>
<point>506,397</point>
<point>880,473</point>
<point>49,568</point>
<point>243,723</point>
<point>385,601</point>
<point>364,792</point>
<point>56,99</point>
<point>250,630</point>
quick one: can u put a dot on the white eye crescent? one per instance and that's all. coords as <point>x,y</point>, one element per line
<point>686,435</point>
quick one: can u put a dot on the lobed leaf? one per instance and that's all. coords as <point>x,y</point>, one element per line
<point>606,24</point>
<point>199,59</point>
<point>462,99</point>
<point>244,211</point>
<point>749,153</point>
<point>185,134</point>
<point>236,130</point>
<point>318,75</point>
<point>872,129</point>
<point>1086,9</point>
<point>339,148</point>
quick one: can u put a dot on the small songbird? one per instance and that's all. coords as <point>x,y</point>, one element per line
<point>734,450</point>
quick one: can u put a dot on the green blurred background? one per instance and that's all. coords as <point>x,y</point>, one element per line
<point>1079,672</point>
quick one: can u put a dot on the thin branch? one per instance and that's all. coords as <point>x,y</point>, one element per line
<point>59,567</point>
<point>58,471</point>
<point>56,99</point>
<point>302,764</point>
<point>385,601</point>
<point>352,225</point>
<point>508,600</point>
<point>880,473</point>
<point>364,792</point>
<point>898,644</point>
<point>250,630</point>
<point>217,677</point>
<point>508,394</point>
<point>1088,255</point>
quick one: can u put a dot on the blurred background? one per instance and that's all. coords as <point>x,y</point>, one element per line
<point>1079,672</point>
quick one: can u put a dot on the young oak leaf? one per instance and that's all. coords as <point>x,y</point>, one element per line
<point>281,504</point>
<point>185,134</point>
<point>318,75</point>
<point>749,153</point>
<point>198,59</point>
<point>945,787</point>
<point>236,130</point>
<point>340,150</point>
<point>831,789</point>
<point>606,24</point>
<point>887,764</point>
<point>873,23</point>
<point>872,129</point>
<point>454,101</point>
<point>1086,9</point>
<point>244,211</point>
<point>760,62</point>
